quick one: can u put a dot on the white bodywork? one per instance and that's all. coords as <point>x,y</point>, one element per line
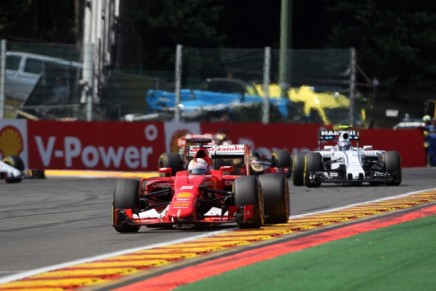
<point>9,171</point>
<point>351,159</point>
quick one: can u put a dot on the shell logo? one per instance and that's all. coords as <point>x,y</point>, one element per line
<point>184,195</point>
<point>173,143</point>
<point>11,141</point>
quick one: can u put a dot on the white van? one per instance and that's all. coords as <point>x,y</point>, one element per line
<point>23,71</point>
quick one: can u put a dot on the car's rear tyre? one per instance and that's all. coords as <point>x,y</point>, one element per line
<point>125,197</point>
<point>393,167</point>
<point>313,163</point>
<point>276,200</point>
<point>298,169</point>
<point>171,160</point>
<point>17,163</point>
<point>282,159</point>
<point>247,191</point>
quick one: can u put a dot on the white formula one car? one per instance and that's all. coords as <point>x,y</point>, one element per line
<point>12,170</point>
<point>345,163</point>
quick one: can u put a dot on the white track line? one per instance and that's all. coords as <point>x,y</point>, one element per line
<point>118,253</point>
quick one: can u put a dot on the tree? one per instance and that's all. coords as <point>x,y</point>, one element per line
<point>156,27</point>
<point>395,42</point>
<point>38,21</point>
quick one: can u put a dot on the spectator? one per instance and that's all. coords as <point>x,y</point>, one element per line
<point>431,143</point>
<point>425,130</point>
<point>59,91</point>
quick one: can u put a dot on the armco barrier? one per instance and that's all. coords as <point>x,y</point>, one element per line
<point>125,146</point>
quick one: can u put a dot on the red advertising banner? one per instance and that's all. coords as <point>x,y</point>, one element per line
<point>409,143</point>
<point>125,146</point>
<point>119,146</point>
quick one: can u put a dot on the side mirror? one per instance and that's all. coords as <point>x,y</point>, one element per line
<point>165,172</point>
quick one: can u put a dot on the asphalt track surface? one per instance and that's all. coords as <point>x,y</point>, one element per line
<point>59,220</point>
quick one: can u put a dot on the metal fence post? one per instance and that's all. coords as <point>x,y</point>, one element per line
<point>352,84</point>
<point>2,77</point>
<point>266,83</point>
<point>178,78</point>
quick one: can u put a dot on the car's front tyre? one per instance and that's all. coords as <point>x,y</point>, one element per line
<point>312,164</point>
<point>247,191</point>
<point>393,167</point>
<point>126,196</point>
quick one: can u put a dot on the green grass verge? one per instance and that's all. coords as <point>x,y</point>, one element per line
<point>400,257</point>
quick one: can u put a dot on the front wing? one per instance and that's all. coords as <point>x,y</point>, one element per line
<point>337,177</point>
<point>132,217</point>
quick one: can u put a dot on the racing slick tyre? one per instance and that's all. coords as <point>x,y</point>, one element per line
<point>247,191</point>
<point>312,163</point>
<point>393,167</point>
<point>298,169</point>
<point>17,163</point>
<point>171,160</point>
<point>125,197</point>
<point>282,159</point>
<point>275,192</point>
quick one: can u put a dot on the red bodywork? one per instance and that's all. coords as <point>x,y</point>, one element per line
<point>186,199</point>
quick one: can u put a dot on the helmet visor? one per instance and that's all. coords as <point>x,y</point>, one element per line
<point>198,171</point>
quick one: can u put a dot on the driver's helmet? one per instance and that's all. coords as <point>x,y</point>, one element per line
<point>344,145</point>
<point>198,166</point>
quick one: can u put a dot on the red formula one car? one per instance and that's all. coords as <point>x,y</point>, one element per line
<point>194,198</point>
<point>279,162</point>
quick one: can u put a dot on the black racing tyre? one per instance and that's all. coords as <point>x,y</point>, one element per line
<point>312,163</point>
<point>282,159</point>
<point>17,163</point>
<point>298,169</point>
<point>171,160</point>
<point>247,191</point>
<point>276,200</point>
<point>393,167</point>
<point>126,196</point>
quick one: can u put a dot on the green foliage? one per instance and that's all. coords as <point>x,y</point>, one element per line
<point>394,41</point>
<point>161,25</point>
<point>37,21</point>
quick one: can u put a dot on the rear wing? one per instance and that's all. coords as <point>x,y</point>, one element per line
<point>217,152</point>
<point>234,151</point>
<point>183,140</point>
<point>325,135</point>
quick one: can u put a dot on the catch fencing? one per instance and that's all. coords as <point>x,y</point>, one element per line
<point>215,84</point>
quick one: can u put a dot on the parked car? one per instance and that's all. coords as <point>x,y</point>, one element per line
<point>23,71</point>
<point>214,96</point>
<point>321,105</point>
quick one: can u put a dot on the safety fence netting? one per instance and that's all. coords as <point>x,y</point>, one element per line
<point>46,81</point>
